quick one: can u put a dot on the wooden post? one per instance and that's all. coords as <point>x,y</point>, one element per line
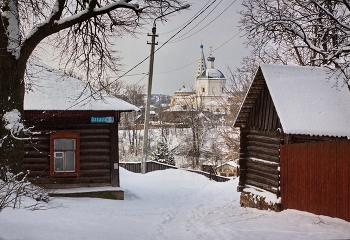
<point>114,152</point>
<point>281,136</point>
<point>242,158</point>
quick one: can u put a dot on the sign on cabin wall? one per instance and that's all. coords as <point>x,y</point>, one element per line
<point>100,119</point>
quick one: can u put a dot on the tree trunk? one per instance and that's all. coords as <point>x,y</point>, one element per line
<point>12,90</point>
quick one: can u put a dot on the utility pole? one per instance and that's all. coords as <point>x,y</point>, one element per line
<point>149,88</point>
<point>147,108</point>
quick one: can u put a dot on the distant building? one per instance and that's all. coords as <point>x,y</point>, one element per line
<point>227,169</point>
<point>183,97</point>
<point>209,88</point>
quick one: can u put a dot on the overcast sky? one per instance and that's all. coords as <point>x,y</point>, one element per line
<point>176,62</point>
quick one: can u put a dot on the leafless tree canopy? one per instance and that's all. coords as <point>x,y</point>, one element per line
<point>83,30</point>
<point>306,32</point>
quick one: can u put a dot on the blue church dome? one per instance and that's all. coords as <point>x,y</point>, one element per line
<point>212,73</point>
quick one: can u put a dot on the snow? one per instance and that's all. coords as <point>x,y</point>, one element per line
<point>215,103</point>
<point>53,90</point>
<point>176,108</point>
<point>87,189</point>
<point>264,161</point>
<point>309,100</point>
<point>12,121</point>
<point>184,90</point>
<point>260,193</point>
<point>212,73</point>
<point>231,163</point>
<point>12,31</point>
<point>168,204</point>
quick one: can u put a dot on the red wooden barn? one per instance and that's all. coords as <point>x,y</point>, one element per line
<point>294,148</point>
<point>74,129</point>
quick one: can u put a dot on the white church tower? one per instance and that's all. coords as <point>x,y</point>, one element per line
<point>209,84</point>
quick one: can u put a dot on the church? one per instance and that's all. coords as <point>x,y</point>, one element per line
<point>209,89</point>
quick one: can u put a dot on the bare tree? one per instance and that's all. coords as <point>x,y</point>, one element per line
<point>132,93</point>
<point>112,87</point>
<point>239,81</point>
<point>82,30</point>
<point>194,117</point>
<point>305,32</point>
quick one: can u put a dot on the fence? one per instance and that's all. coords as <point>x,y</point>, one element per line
<point>155,166</point>
<point>150,166</point>
<point>315,177</point>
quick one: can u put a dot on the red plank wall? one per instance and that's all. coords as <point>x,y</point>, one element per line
<point>315,177</point>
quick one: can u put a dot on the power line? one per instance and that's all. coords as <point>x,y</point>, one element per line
<point>186,21</point>
<point>165,33</point>
<point>198,59</point>
<point>228,40</point>
<point>179,38</point>
<point>198,23</point>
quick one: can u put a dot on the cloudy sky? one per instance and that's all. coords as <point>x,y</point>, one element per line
<point>176,61</point>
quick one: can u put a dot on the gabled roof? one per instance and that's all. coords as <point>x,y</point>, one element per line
<point>51,89</point>
<point>308,100</point>
<point>230,163</point>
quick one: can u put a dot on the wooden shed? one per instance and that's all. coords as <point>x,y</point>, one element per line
<point>294,148</point>
<point>227,169</point>
<point>74,131</point>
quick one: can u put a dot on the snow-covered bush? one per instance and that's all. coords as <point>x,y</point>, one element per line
<point>14,187</point>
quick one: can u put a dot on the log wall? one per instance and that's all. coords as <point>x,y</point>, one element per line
<point>260,139</point>
<point>261,162</point>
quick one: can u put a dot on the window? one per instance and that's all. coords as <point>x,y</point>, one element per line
<point>203,89</point>
<point>64,154</point>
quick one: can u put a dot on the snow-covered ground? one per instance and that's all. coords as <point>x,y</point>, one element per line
<point>169,204</point>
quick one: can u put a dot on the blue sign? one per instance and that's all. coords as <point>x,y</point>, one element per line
<point>102,119</point>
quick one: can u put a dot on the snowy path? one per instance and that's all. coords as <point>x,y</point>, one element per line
<point>169,204</point>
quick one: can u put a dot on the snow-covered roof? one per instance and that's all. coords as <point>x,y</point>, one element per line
<point>212,73</point>
<point>214,103</point>
<point>51,89</point>
<point>230,163</point>
<point>308,100</point>
<point>184,90</point>
<point>176,108</point>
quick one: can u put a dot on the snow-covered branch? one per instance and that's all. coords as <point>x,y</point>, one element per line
<point>311,32</point>
<point>14,125</point>
<point>10,19</point>
<point>14,187</point>
<point>90,13</point>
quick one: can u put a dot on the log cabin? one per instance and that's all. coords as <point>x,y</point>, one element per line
<point>294,149</point>
<point>73,131</point>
